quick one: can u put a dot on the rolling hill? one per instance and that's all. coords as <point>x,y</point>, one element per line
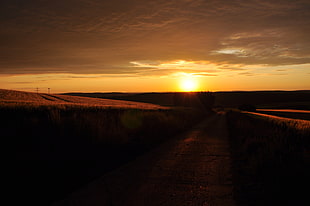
<point>261,99</point>
<point>12,97</point>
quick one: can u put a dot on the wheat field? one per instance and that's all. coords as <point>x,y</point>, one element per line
<point>19,98</point>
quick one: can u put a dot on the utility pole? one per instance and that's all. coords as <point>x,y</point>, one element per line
<point>37,89</point>
<point>49,90</point>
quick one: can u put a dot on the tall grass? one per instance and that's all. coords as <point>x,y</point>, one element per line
<point>270,159</point>
<point>58,148</point>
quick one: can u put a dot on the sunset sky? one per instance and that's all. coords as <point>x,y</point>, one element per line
<point>155,45</point>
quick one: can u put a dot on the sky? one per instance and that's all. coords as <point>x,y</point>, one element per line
<point>155,45</point>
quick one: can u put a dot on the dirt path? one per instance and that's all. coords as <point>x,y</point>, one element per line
<point>193,169</point>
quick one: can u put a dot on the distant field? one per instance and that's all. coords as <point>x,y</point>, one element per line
<point>265,99</point>
<point>289,113</point>
<point>291,122</point>
<point>260,99</point>
<point>14,98</point>
<point>284,110</point>
<point>171,99</point>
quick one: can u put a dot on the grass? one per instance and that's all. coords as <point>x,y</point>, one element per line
<point>270,159</point>
<point>57,148</point>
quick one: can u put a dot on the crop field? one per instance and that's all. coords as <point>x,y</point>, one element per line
<point>18,98</point>
<point>284,110</point>
<point>270,159</point>
<point>289,113</point>
<point>298,124</point>
<point>60,144</point>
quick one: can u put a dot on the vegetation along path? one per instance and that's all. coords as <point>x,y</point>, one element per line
<point>192,169</point>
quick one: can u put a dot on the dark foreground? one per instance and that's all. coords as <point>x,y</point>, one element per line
<point>271,162</point>
<point>228,159</point>
<point>193,169</point>
<point>52,150</point>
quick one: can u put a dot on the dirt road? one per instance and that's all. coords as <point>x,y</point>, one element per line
<point>193,169</point>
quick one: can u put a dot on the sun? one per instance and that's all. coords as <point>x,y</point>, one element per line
<point>188,85</point>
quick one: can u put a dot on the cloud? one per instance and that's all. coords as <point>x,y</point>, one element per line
<point>248,73</point>
<point>106,37</point>
<point>197,68</point>
<point>274,47</point>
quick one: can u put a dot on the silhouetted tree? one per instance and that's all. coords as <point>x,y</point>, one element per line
<point>194,99</point>
<point>207,99</point>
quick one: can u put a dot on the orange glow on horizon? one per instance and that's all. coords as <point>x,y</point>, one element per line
<point>179,75</point>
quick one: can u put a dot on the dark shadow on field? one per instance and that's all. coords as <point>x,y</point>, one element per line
<point>53,150</point>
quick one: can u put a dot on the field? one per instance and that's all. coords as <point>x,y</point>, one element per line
<point>270,159</point>
<point>289,113</point>
<point>18,98</point>
<point>260,99</point>
<point>61,143</point>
